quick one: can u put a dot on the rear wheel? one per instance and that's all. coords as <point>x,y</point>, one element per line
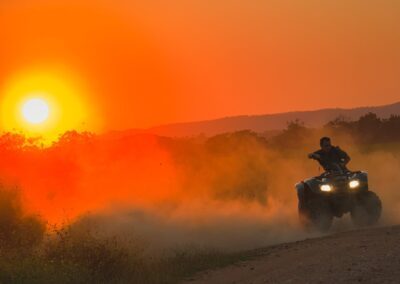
<point>367,210</point>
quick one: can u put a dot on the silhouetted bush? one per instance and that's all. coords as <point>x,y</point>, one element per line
<point>18,230</point>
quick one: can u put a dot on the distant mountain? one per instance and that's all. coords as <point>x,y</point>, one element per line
<point>269,123</point>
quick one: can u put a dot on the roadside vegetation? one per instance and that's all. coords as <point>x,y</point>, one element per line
<point>77,253</point>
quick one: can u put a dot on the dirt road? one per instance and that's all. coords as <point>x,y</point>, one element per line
<point>359,256</point>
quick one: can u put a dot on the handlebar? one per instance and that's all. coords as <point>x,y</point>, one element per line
<point>338,170</point>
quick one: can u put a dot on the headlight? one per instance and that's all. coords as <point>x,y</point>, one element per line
<point>326,187</point>
<point>354,183</point>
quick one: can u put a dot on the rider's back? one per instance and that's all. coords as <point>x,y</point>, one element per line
<point>330,160</point>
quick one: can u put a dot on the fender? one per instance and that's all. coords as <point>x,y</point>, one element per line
<point>300,188</point>
<point>313,184</point>
<point>308,184</point>
<point>363,178</point>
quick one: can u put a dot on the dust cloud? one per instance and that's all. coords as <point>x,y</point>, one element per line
<point>233,191</point>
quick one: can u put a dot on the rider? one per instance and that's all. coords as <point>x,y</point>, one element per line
<point>330,156</point>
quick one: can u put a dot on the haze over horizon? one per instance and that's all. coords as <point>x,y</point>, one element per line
<point>280,113</point>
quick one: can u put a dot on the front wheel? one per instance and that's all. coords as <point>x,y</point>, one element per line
<point>316,214</point>
<point>367,210</point>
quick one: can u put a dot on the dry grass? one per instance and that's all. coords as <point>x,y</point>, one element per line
<point>77,253</point>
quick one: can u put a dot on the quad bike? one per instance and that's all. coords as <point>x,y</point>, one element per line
<point>335,193</point>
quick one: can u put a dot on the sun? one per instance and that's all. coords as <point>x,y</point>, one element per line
<point>35,111</point>
<point>46,104</point>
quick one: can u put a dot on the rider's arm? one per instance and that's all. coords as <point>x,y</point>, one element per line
<point>344,156</point>
<point>314,156</point>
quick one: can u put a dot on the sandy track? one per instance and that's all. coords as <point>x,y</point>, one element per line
<point>360,256</point>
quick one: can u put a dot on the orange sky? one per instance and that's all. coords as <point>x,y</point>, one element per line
<point>151,62</point>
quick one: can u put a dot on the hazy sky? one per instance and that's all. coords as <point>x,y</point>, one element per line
<point>156,61</point>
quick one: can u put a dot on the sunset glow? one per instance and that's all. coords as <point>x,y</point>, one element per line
<point>144,141</point>
<point>155,62</point>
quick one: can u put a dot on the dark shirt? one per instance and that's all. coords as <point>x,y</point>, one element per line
<point>330,160</point>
